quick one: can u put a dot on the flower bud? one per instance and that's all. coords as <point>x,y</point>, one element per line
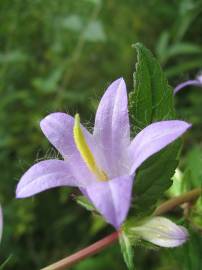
<point>161,232</point>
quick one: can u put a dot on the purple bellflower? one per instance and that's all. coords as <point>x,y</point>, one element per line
<point>103,164</point>
<point>197,82</point>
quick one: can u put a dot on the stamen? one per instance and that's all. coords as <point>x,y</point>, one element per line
<point>85,151</point>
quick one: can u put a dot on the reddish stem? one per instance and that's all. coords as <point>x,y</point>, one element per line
<point>84,253</point>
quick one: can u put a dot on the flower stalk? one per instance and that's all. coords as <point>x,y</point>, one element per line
<point>169,205</point>
<point>84,253</point>
<point>112,238</point>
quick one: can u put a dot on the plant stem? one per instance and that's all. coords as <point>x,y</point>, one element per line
<point>84,253</point>
<point>110,239</point>
<point>172,203</point>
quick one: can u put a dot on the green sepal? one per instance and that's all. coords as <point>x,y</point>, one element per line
<point>127,250</point>
<point>84,202</point>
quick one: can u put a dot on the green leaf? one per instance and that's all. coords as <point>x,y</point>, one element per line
<point>84,202</point>
<point>126,250</point>
<point>5,263</point>
<point>192,177</point>
<point>183,48</point>
<point>177,187</point>
<point>153,179</point>
<point>151,101</point>
<point>162,45</point>
<point>188,12</point>
<point>184,67</point>
<point>152,98</point>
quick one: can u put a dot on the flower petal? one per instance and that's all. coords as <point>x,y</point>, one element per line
<point>58,128</point>
<point>112,198</point>
<point>153,138</point>
<point>112,126</point>
<point>162,232</point>
<point>45,175</point>
<point>187,83</point>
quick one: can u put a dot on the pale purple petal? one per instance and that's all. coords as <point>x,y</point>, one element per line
<point>153,138</point>
<point>45,175</point>
<point>1,222</point>
<point>162,232</point>
<point>111,129</point>
<point>58,128</point>
<point>112,198</point>
<point>199,79</point>
<point>196,82</point>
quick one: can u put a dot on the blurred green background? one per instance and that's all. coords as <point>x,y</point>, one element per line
<point>60,56</point>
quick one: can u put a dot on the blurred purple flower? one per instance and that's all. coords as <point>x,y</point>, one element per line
<point>161,232</point>
<point>197,82</point>
<point>102,164</point>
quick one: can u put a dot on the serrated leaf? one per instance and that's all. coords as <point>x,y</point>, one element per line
<point>151,101</point>
<point>153,179</point>
<point>126,250</point>
<point>152,98</point>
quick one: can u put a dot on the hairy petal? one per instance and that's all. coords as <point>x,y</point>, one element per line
<point>162,232</point>
<point>112,199</point>
<point>153,138</point>
<point>58,128</point>
<point>45,175</point>
<point>111,129</point>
